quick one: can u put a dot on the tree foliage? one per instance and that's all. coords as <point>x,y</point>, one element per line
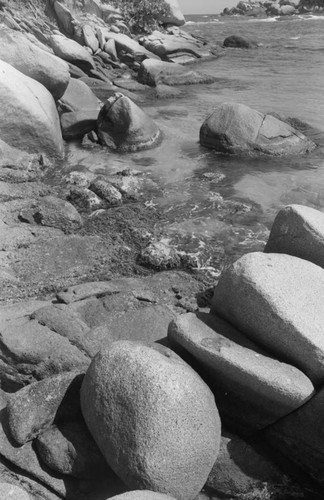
<point>142,15</point>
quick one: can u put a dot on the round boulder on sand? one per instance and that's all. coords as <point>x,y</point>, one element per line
<point>153,418</point>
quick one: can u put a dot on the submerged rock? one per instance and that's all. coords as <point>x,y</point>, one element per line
<point>153,73</point>
<point>276,300</point>
<point>153,418</point>
<point>236,128</point>
<point>124,126</point>
<point>239,42</point>
<point>29,119</point>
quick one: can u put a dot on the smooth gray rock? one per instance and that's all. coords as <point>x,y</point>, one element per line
<point>68,448</point>
<point>153,418</point>
<point>30,352</point>
<point>252,390</point>
<point>72,52</point>
<point>90,38</point>
<point>32,61</point>
<point>236,128</point>
<point>153,73</point>
<point>78,97</point>
<point>142,495</point>
<point>34,408</point>
<point>173,14</point>
<point>275,299</point>
<point>29,119</point>
<point>107,192</point>
<point>122,125</point>
<point>300,436</point>
<point>298,230</point>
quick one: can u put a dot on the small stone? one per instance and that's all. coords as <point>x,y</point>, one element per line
<point>85,199</point>
<point>160,255</point>
<point>107,192</point>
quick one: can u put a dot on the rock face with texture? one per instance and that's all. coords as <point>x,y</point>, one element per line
<point>298,230</point>
<point>153,418</point>
<point>72,52</point>
<point>69,449</point>
<point>124,126</point>
<point>300,437</point>
<point>26,57</point>
<point>251,389</point>
<point>142,495</point>
<point>276,300</point>
<point>29,120</point>
<point>78,97</point>
<point>78,123</point>
<point>236,128</point>
<point>152,72</point>
<point>35,407</point>
<point>10,492</point>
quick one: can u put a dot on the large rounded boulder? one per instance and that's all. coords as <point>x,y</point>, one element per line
<point>236,128</point>
<point>172,14</point>
<point>29,120</point>
<point>124,126</point>
<point>46,68</point>
<point>153,418</point>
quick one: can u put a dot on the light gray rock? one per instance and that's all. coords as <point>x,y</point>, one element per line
<point>64,17</point>
<point>34,408</point>
<point>107,192</point>
<point>68,448</point>
<point>110,49</point>
<point>26,57</point>
<point>153,418</point>
<point>252,390</point>
<point>236,128</point>
<point>29,119</point>
<point>72,52</point>
<point>30,352</point>
<point>142,495</point>
<point>10,492</point>
<point>124,43</point>
<point>275,299</point>
<point>168,46</point>
<point>160,255</point>
<point>298,230</point>
<point>78,97</point>
<point>90,38</point>
<point>124,126</point>
<point>154,73</point>
<point>300,437</point>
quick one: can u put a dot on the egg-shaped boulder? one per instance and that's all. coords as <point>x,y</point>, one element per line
<point>124,126</point>
<point>153,418</point>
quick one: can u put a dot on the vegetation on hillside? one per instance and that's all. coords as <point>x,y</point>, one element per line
<point>142,15</point>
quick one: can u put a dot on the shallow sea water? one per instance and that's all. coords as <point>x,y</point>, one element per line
<point>286,75</point>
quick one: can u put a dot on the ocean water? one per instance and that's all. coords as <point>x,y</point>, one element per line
<point>215,206</point>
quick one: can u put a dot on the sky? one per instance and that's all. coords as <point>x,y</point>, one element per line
<point>205,6</point>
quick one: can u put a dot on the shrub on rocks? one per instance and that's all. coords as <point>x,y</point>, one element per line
<point>298,230</point>
<point>276,300</point>
<point>124,126</point>
<point>236,128</point>
<point>153,418</point>
<point>10,492</point>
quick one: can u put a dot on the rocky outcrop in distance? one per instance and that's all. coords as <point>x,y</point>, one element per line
<point>262,8</point>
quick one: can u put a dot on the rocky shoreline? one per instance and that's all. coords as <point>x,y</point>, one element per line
<point>274,8</point>
<point>113,347</point>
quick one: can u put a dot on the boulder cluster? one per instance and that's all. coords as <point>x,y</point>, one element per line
<point>260,8</point>
<point>96,402</point>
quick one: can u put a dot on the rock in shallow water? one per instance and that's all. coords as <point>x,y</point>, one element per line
<point>236,128</point>
<point>152,72</point>
<point>124,126</point>
<point>276,300</point>
<point>153,418</point>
